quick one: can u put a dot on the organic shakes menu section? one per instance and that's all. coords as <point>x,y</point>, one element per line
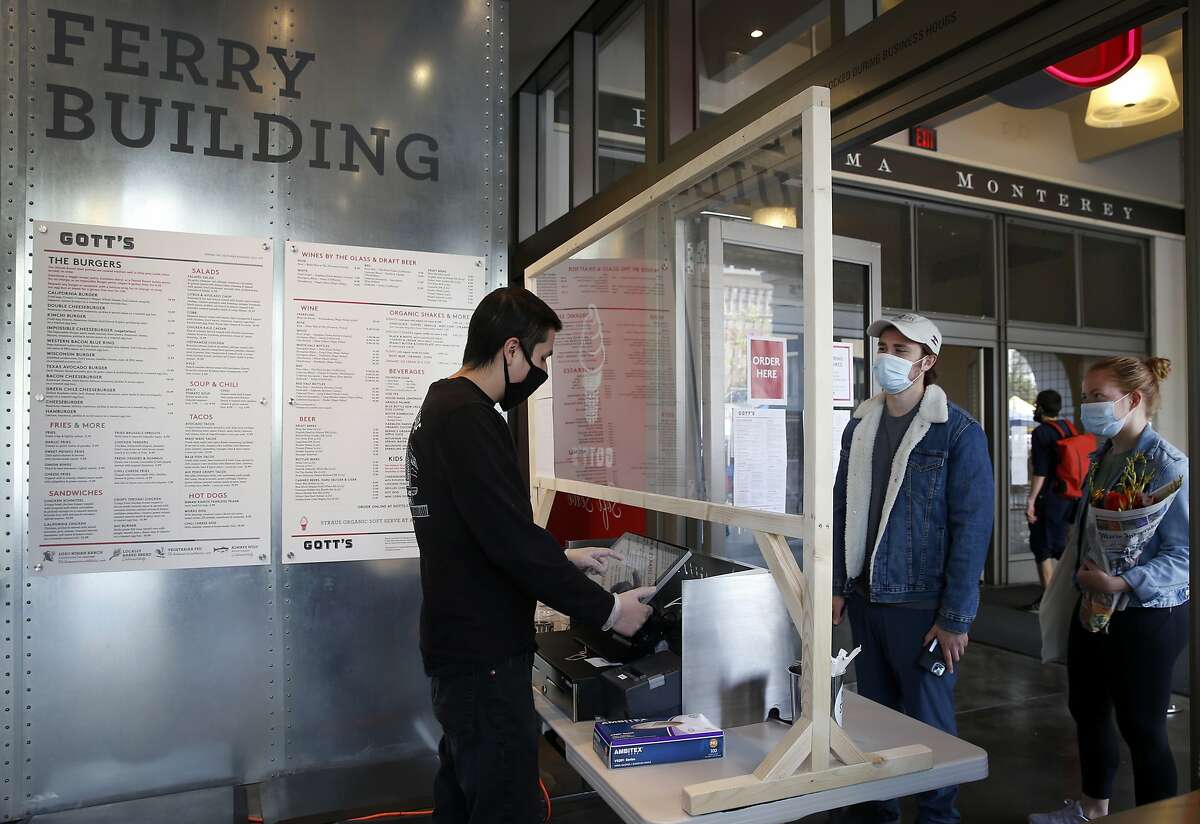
<point>151,414</point>
<point>367,331</point>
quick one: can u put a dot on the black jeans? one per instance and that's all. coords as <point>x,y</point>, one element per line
<point>1127,672</point>
<point>489,747</point>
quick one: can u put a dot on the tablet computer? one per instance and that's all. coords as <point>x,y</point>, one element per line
<point>648,563</point>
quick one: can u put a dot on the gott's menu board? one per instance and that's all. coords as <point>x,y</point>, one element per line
<point>367,331</point>
<point>150,418</point>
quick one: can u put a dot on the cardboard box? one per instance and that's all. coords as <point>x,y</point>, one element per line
<point>641,742</point>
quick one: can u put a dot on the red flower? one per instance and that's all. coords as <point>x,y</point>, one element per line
<point>1116,501</point>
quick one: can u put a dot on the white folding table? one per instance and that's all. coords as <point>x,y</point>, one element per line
<point>653,795</point>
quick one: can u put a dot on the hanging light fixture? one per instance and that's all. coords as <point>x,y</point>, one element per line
<point>780,217</point>
<point>1143,94</point>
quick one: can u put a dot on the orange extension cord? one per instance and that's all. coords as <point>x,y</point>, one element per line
<point>256,819</point>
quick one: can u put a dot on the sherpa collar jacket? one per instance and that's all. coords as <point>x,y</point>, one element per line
<point>937,517</point>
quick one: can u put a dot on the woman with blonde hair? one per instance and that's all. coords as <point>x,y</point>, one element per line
<point>1126,671</point>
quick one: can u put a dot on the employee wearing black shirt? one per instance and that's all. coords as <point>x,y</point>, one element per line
<point>485,564</point>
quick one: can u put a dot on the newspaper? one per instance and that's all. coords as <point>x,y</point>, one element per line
<point>1115,541</point>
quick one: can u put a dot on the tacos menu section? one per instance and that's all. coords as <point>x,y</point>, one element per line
<point>151,400</point>
<point>366,332</point>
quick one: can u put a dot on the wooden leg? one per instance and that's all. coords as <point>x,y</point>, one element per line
<point>846,749</point>
<point>787,756</point>
<point>545,504</point>
<point>746,790</point>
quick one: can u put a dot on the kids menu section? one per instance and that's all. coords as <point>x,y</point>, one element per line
<point>152,396</point>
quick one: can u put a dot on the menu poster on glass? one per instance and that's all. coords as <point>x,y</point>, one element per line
<point>614,403</point>
<point>366,331</point>
<point>151,408</point>
<point>760,458</point>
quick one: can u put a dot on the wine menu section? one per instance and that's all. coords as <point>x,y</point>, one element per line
<point>151,400</point>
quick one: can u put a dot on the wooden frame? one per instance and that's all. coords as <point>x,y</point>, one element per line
<point>816,754</point>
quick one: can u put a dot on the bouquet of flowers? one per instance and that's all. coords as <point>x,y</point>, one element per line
<point>1120,522</point>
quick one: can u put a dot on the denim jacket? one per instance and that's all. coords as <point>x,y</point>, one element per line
<point>937,517</point>
<point>1160,578</point>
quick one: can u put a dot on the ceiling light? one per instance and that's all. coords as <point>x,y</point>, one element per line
<point>421,75</point>
<point>781,217</point>
<point>1143,94</point>
<point>757,33</point>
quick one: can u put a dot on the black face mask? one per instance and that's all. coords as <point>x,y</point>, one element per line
<point>516,393</point>
<point>1037,415</point>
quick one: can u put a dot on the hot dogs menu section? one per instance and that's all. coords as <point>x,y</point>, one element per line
<point>151,400</point>
<point>366,332</point>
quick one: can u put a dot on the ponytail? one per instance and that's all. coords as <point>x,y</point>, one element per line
<point>1134,375</point>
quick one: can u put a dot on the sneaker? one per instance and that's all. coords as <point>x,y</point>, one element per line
<point>1071,813</point>
<point>1035,606</point>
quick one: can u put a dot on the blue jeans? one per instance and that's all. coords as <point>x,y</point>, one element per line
<point>888,674</point>
<point>489,747</point>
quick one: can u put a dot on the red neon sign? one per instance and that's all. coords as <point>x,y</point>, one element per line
<point>1102,63</point>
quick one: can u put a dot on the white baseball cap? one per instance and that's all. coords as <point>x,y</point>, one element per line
<point>914,327</point>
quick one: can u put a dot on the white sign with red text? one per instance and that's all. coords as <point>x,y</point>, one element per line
<point>150,400</point>
<point>366,331</point>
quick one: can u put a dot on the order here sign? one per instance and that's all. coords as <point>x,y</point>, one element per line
<point>768,370</point>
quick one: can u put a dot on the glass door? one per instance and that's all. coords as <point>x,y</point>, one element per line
<point>754,415</point>
<point>1031,371</point>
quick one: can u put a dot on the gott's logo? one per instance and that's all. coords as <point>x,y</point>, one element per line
<point>330,543</point>
<point>83,240</point>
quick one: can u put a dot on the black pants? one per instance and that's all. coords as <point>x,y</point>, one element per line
<point>1127,672</point>
<point>489,747</point>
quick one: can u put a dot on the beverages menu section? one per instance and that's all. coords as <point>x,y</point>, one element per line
<point>366,332</point>
<point>150,415</point>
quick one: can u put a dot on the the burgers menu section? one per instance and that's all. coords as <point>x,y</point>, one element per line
<point>366,331</point>
<point>151,400</point>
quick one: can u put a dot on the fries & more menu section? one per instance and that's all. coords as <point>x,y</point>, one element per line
<point>150,408</point>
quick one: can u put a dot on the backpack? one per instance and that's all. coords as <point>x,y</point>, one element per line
<point>1074,459</point>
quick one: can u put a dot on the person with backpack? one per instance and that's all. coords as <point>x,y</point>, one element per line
<point>1124,671</point>
<point>1060,455</point>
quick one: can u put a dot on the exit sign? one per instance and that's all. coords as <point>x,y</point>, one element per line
<point>923,137</point>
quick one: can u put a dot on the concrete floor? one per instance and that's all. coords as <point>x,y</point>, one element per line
<point>1009,704</point>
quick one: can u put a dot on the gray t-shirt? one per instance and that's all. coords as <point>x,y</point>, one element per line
<point>887,442</point>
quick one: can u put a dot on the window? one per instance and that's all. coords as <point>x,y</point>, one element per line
<point>1041,274</point>
<point>554,148</point>
<point>884,222</point>
<point>956,262</point>
<point>1114,283</point>
<point>744,45</point>
<point>621,117</point>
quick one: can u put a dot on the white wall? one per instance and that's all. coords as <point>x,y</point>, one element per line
<point>1038,142</point>
<point>1169,325</point>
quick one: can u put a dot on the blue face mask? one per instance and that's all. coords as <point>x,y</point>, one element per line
<point>892,372</point>
<point>1101,419</point>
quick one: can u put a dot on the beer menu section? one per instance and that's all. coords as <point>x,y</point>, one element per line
<point>150,408</point>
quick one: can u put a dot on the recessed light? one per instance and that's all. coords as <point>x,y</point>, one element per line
<point>757,33</point>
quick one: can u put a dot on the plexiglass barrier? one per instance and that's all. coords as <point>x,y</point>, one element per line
<point>679,367</point>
